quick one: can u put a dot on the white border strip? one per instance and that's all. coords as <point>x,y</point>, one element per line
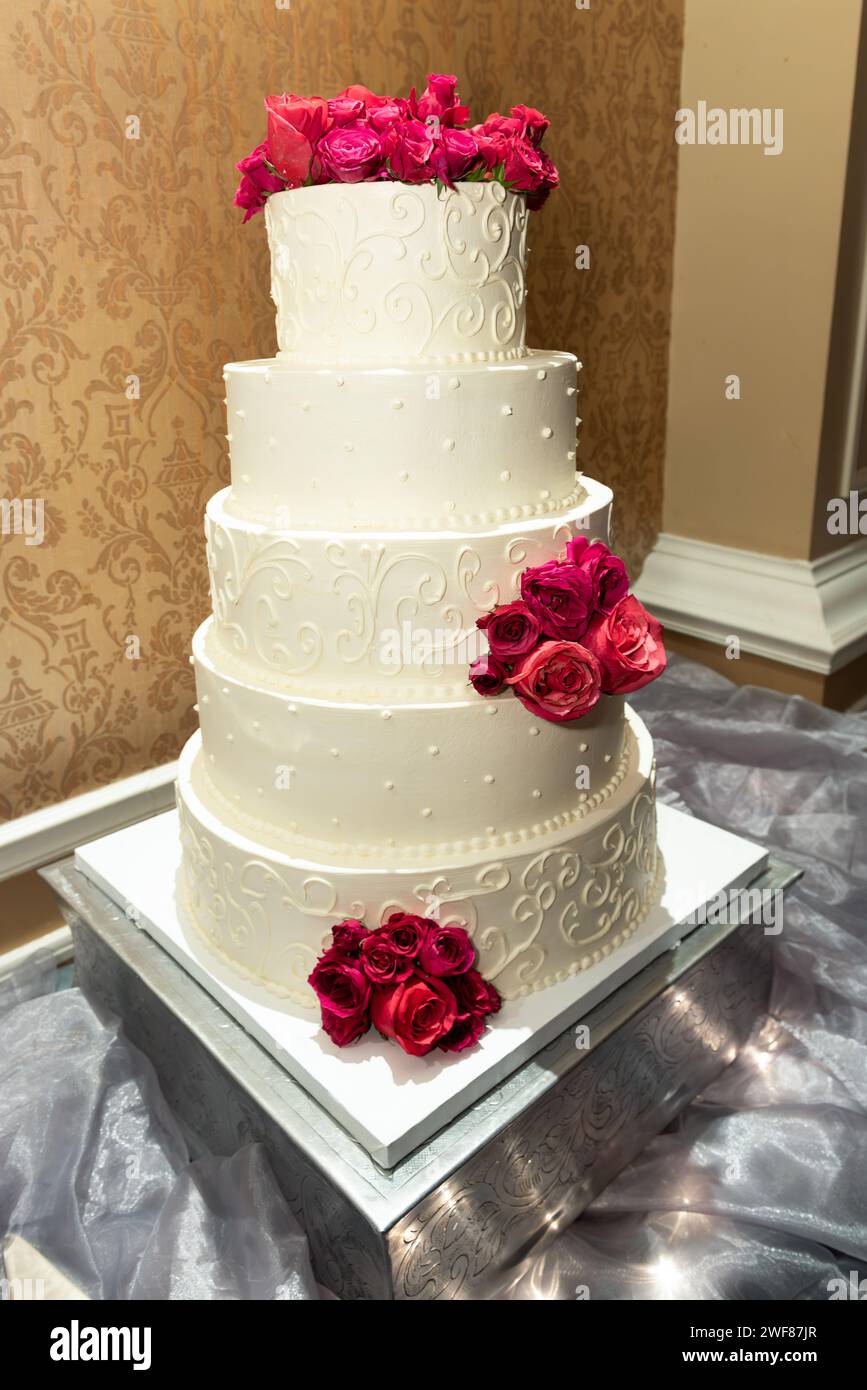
<point>54,946</point>
<point>42,836</point>
<point>806,613</point>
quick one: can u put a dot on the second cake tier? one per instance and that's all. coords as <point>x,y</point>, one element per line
<point>412,447</point>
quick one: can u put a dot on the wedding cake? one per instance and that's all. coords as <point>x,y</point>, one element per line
<point>411,691</point>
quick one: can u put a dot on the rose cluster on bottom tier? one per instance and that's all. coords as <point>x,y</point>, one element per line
<point>412,978</point>
<point>576,633</point>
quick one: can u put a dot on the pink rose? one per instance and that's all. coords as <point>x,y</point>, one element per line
<point>344,110</point>
<point>347,937</point>
<point>358,92</point>
<point>388,114</point>
<point>550,180</point>
<point>558,681</point>
<point>628,644</point>
<point>607,571</point>
<point>561,597</point>
<point>339,985</point>
<point>531,123</point>
<point>381,963</point>
<point>475,995</point>
<point>416,1014</point>
<point>408,148</point>
<point>493,137</point>
<point>440,99</point>
<point>405,932</point>
<point>348,154</point>
<point>513,630</point>
<point>294,126</point>
<point>453,154</point>
<point>487,676</point>
<point>344,1030</point>
<point>256,183</point>
<point>506,125</point>
<point>522,166</point>
<point>446,951</point>
<point>464,1032</point>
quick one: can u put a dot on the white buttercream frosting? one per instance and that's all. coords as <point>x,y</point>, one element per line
<point>386,271</point>
<point>538,910</point>
<point>387,612</point>
<point>394,470</point>
<point>411,447</point>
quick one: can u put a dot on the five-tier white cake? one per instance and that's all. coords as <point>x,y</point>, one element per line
<point>395,468</point>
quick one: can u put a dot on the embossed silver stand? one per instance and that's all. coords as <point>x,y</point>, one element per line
<point>460,1215</point>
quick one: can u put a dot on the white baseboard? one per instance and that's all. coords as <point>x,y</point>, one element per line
<point>42,836</point>
<point>806,613</point>
<point>52,949</point>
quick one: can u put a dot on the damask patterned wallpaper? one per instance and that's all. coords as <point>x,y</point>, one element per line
<point>127,281</point>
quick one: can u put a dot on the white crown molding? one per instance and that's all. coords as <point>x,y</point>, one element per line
<point>806,613</point>
<point>42,836</point>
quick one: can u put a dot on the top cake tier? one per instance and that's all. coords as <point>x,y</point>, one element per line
<point>390,272</point>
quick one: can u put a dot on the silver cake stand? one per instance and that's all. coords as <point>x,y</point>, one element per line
<point>462,1215</point>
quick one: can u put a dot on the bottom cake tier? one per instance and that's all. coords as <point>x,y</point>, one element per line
<point>536,913</point>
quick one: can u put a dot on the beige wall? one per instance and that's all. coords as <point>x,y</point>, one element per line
<point>754,272</point>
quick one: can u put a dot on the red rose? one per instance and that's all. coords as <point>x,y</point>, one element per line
<point>453,154</point>
<point>358,92</point>
<point>390,113</point>
<point>559,681</point>
<point>406,933</point>
<point>446,951</point>
<point>487,676</point>
<point>550,180</point>
<point>512,630</point>
<point>475,995</point>
<point>348,154</point>
<point>465,1032</point>
<point>628,644</point>
<point>408,147</point>
<point>440,99</point>
<point>347,937</point>
<point>256,183</point>
<point>294,126</point>
<point>339,985</point>
<point>343,1030</point>
<point>607,572</point>
<point>492,138</point>
<point>531,123</point>
<point>417,1013</point>
<point>344,110</point>
<point>381,963</point>
<point>561,596</point>
<point>522,166</point>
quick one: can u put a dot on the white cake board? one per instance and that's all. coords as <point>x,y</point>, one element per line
<point>388,1101</point>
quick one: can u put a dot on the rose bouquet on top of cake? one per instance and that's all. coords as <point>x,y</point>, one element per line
<point>361,137</point>
<point>576,633</point>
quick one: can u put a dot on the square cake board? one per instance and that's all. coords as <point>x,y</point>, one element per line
<point>390,1102</point>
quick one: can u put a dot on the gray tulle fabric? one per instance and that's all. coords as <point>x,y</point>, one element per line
<point>758,1190</point>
